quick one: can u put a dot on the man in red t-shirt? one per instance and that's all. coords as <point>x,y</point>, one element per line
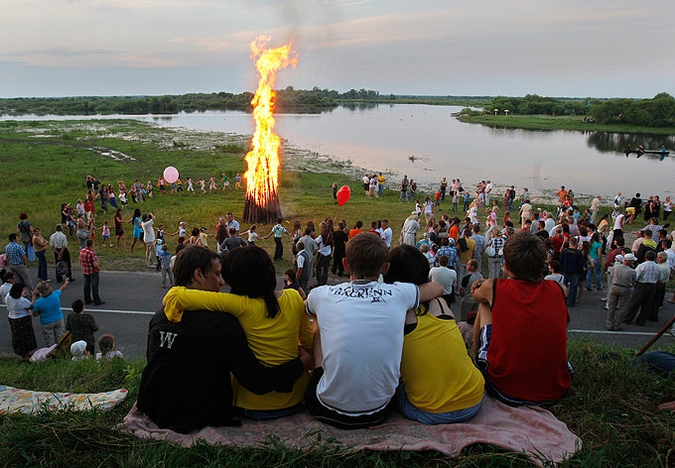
<point>520,334</point>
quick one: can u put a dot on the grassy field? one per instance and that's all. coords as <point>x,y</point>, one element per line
<point>611,405</point>
<point>547,122</point>
<point>46,164</point>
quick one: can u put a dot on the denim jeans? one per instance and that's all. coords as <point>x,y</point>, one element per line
<point>410,411</point>
<point>572,283</point>
<point>659,361</point>
<point>42,265</point>
<point>597,272</point>
<point>91,288</point>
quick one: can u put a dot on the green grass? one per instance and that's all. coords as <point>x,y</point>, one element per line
<point>611,405</point>
<point>547,122</point>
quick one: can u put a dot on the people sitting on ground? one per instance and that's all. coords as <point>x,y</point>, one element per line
<point>79,350</point>
<point>432,391</point>
<point>187,384</point>
<point>520,335</point>
<point>106,346</point>
<point>274,322</point>
<point>357,371</point>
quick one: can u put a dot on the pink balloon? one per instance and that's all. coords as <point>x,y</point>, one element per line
<point>171,174</point>
<point>343,195</point>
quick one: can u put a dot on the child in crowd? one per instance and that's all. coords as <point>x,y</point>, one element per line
<point>204,237</point>
<point>105,234</point>
<point>291,282</point>
<point>252,234</point>
<point>106,343</point>
<point>165,262</point>
<point>79,350</point>
<point>358,350</point>
<point>158,253</point>
<point>82,326</point>
<point>190,185</point>
<point>520,335</point>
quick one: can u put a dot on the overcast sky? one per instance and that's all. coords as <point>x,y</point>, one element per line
<point>597,48</point>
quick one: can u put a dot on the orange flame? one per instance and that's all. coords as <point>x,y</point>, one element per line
<point>263,163</point>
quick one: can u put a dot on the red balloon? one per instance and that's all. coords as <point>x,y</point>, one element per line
<point>343,195</point>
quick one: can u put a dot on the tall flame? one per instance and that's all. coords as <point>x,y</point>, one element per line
<point>262,175</point>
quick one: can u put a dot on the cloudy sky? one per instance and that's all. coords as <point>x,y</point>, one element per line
<point>597,48</point>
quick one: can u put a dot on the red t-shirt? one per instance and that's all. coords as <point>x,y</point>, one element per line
<point>528,348</point>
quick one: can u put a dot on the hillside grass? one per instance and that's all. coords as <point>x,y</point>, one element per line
<point>611,406</point>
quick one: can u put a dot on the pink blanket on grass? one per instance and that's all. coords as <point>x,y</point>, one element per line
<point>532,431</point>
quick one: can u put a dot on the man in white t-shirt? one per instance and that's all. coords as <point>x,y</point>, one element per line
<point>149,239</point>
<point>446,277</point>
<point>386,233</point>
<point>488,190</point>
<point>358,350</point>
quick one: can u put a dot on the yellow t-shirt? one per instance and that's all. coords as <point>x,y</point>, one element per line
<point>438,374</point>
<point>274,341</point>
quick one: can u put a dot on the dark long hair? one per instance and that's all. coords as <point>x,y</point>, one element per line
<point>250,272</point>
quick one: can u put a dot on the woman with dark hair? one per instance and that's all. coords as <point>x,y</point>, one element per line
<point>440,384</point>
<point>138,229</point>
<point>196,239</point>
<point>595,254</point>
<point>119,230</point>
<point>20,320</point>
<point>274,322</point>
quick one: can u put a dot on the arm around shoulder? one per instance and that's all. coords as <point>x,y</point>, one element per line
<point>430,290</point>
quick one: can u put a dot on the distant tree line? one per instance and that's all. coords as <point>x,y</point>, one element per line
<point>288,100</point>
<point>656,112</point>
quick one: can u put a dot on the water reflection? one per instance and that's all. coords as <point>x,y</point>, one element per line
<point>384,137</point>
<point>617,142</point>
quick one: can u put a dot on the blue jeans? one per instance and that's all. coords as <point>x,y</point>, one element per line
<point>659,361</point>
<point>410,411</point>
<point>404,193</point>
<point>596,271</point>
<point>42,265</point>
<point>91,288</point>
<point>572,283</point>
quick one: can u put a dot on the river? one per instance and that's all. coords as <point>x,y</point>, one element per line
<point>427,143</point>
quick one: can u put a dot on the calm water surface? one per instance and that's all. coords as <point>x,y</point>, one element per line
<point>385,137</point>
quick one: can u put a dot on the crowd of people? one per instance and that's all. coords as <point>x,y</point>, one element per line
<point>312,344</point>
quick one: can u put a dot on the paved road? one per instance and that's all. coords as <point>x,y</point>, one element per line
<point>132,297</point>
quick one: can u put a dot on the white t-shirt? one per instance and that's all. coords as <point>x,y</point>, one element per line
<point>386,236</point>
<point>617,221</point>
<point>148,231</point>
<point>18,308</point>
<point>445,277</point>
<point>4,290</point>
<point>361,326</point>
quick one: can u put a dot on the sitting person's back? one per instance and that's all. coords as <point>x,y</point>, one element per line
<point>361,338</point>
<point>274,322</point>
<point>187,384</point>
<point>440,383</point>
<point>520,337</point>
